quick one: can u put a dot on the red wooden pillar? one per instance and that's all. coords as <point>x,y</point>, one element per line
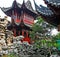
<point>14,31</point>
<point>19,33</point>
<point>23,32</point>
<point>12,17</point>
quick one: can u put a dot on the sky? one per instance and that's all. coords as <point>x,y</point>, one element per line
<point>8,3</point>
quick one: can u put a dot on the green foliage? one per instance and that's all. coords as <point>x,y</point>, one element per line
<point>10,55</point>
<point>37,44</point>
<point>58,36</point>
<point>38,29</point>
<point>32,35</point>
<point>55,38</point>
<point>49,44</point>
<point>40,20</point>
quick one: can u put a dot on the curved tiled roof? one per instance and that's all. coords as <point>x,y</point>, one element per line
<point>45,11</point>
<point>55,3</point>
<point>13,6</point>
<point>47,14</point>
<point>27,5</point>
<point>5,9</point>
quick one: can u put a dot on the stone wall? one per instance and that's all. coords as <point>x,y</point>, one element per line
<point>5,35</point>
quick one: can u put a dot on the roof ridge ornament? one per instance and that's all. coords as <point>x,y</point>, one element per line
<point>28,0</point>
<point>23,1</point>
<point>14,0</point>
<point>36,6</point>
<point>28,4</point>
<point>14,4</point>
<point>34,1</point>
<point>23,4</point>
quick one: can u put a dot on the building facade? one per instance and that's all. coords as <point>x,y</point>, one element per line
<point>22,18</point>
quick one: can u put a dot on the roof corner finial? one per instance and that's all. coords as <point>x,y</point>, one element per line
<point>23,4</point>
<point>23,1</point>
<point>14,0</point>
<point>34,1</point>
<point>28,0</point>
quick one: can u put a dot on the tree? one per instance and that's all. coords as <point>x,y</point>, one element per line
<point>40,31</point>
